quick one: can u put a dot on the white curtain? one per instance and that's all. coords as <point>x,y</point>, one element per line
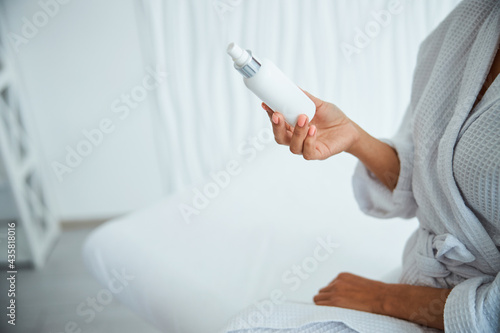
<point>205,112</point>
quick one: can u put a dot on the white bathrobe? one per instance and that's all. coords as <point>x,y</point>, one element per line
<point>449,179</point>
<point>450,170</point>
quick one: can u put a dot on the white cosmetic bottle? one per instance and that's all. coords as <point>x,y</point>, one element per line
<point>266,81</point>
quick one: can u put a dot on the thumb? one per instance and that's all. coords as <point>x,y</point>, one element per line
<point>317,102</point>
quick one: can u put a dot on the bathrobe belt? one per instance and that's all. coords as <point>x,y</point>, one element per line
<point>438,256</point>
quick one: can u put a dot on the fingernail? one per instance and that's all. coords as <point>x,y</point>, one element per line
<point>312,131</point>
<point>301,121</point>
<point>275,119</point>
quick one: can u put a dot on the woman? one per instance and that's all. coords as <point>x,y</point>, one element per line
<point>443,167</point>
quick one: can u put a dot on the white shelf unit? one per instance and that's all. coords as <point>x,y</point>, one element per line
<point>24,194</point>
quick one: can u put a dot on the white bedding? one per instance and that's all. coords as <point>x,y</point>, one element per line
<point>307,318</point>
<point>242,248</point>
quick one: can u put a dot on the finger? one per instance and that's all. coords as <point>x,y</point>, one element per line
<point>318,102</point>
<point>321,297</point>
<point>266,107</point>
<point>281,134</point>
<point>309,151</point>
<point>270,113</point>
<point>268,110</point>
<point>299,134</point>
<point>288,127</point>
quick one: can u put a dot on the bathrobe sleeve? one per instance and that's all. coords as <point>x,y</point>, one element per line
<point>373,197</point>
<point>474,306</point>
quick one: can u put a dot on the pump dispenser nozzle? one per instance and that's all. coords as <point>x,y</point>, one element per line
<point>244,62</point>
<point>240,56</point>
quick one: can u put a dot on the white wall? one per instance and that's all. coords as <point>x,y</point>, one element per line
<point>74,67</point>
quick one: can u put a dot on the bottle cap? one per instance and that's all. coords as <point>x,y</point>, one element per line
<point>244,62</point>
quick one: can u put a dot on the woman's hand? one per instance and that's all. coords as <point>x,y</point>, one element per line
<point>330,131</point>
<point>418,304</point>
<point>353,292</point>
